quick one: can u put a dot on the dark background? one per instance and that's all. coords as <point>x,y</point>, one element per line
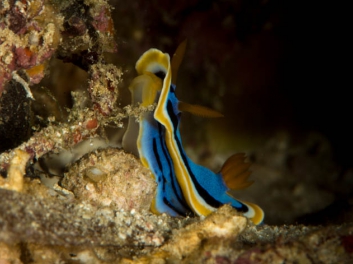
<point>267,65</point>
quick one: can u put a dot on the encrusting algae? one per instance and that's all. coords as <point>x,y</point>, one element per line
<point>16,172</point>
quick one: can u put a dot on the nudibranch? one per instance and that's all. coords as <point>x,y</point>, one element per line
<point>183,187</point>
<point>146,139</point>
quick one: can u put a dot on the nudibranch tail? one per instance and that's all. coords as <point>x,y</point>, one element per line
<point>255,213</point>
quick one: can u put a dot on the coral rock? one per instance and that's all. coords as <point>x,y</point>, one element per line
<point>111,177</point>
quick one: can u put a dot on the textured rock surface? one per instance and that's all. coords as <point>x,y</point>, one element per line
<point>112,178</point>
